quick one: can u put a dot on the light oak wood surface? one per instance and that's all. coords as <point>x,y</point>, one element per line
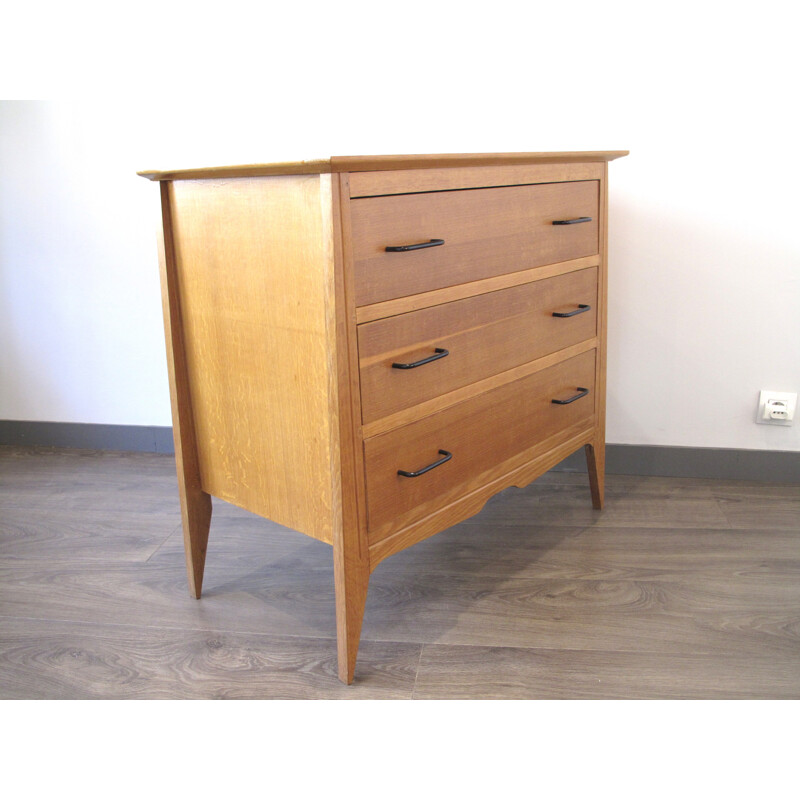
<point>402,305</point>
<point>194,498</point>
<point>351,563</point>
<point>486,232</point>
<point>470,498</point>
<point>285,314</point>
<point>369,163</point>
<point>481,433</point>
<point>596,449</point>
<point>255,266</point>
<point>483,335</point>
<point>405,181</point>
<point>449,399</point>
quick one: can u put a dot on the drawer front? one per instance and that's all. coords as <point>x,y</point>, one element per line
<point>481,336</point>
<point>480,433</point>
<point>486,232</point>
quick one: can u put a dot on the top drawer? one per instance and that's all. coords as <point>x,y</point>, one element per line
<point>486,232</point>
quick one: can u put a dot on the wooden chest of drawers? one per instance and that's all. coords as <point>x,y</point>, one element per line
<point>366,349</point>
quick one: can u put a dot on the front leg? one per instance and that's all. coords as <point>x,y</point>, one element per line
<point>351,578</point>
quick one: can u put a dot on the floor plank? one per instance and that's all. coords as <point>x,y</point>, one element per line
<point>630,616</point>
<point>565,504</point>
<point>679,588</point>
<point>93,534</point>
<point>463,673</point>
<point>49,660</point>
<point>600,553</point>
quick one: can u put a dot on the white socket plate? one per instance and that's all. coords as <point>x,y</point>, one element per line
<point>790,398</point>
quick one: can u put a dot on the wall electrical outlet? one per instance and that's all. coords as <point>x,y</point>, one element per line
<point>776,408</point>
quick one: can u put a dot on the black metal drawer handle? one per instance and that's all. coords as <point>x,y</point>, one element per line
<point>439,351</point>
<point>581,393</point>
<point>582,307</point>
<point>571,221</point>
<point>447,457</point>
<point>421,246</point>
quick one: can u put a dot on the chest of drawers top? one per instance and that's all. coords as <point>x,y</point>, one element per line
<point>375,164</point>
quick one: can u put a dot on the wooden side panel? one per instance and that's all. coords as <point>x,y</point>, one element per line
<point>486,232</point>
<point>255,262</point>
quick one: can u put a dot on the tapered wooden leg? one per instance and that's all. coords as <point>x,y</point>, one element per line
<point>596,464</point>
<point>195,503</point>
<point>196,516</point>
<point>351,578</point>
<point>351,566</point>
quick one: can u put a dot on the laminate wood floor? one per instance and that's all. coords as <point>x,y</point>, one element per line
<point>680,588</point>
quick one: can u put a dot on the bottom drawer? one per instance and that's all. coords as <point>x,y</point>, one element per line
<point>478,435</point>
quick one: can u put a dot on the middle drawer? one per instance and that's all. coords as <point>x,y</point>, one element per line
<point>445,347</point>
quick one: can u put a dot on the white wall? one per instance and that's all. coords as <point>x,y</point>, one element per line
<point>704,255</point>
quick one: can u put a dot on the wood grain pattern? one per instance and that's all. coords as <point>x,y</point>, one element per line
<point>311,167</point>
<point>107,483</point>
<point>46,660</point>
<point>290,413</point>
<point>481,433</point>
<point>519,471</point>
<point>484,335</point>
<point>93,533</point>
<point>360,163</point>
<point>351,566</point>
<point>195,500</point>
<point>255,264</point>
<point>596,450</point>
<point>487,232</point>
<point>665,594</point>
<point>646,616</point>
<point>443,401</point>
<point>454,160</point>
<point>404,181</point>
<point>496,673</point>
<point>404,305</point>
<point>571,552</point>
<point>565,505</point>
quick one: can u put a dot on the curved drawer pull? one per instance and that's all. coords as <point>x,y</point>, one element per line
<point>439,351</point>
<point>421,246</point>
<point>581,393</point>
<point>571,221</point>
<point>579,310</point>
<point>447,457</point>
